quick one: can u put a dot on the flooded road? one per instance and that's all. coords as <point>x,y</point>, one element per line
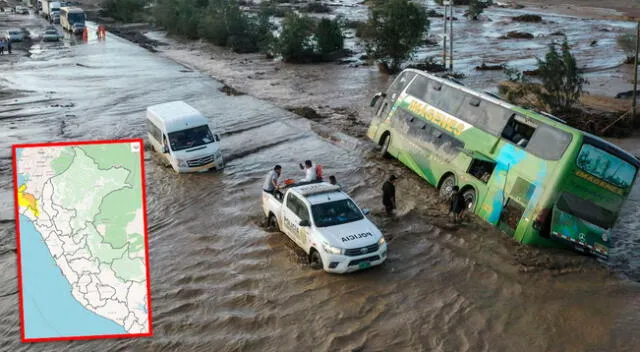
<point>221,282</point>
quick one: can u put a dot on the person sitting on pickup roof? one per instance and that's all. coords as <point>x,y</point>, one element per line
<point>310,172</point>
<point>271,181</point>
<point>333,181</point>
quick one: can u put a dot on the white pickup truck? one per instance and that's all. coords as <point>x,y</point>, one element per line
<point>328,225</point>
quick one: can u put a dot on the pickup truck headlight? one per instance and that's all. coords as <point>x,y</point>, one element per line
<point>331,249</point>
<point>182,163</point>
<point>381,241</point>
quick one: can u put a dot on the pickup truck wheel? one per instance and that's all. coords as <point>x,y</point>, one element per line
<point>315,261</point>
<point>272,222</point>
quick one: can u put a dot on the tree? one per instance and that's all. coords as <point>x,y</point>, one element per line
<point>124,10</point>
<point>398,28</point>
<point>476,7</point>
<point>295,42</point>
<point>329,36</point>
<point>561,78</point>
<point>627,42</point>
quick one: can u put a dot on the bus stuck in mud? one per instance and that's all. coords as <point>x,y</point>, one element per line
<point>528,173</point>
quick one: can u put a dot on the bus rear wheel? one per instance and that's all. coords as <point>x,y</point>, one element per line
<point>469,196</point>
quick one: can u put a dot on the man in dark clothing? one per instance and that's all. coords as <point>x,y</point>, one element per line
<point>389,195</point>
<point>457,204</point>
<point>9,46</point>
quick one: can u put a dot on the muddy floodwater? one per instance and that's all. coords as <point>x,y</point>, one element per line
<point>222,282</point>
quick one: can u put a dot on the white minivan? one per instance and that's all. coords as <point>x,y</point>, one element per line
<point>181,134</point>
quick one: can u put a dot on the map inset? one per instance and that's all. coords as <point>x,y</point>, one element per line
<point>82,240</point>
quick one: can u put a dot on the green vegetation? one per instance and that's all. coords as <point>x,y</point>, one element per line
<point>124,10</point>
<point>221,22</point>
<point>304,40</point>
<point>561,78</point>
<point>395,29</point>
<point>476,7</point>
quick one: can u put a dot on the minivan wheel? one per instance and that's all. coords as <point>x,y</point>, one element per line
<point>384,150</point>
<point>315,261</point>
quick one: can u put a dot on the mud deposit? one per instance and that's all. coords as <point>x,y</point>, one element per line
<point>221,282</point>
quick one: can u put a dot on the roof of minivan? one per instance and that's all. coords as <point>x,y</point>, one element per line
<point>177,115</point>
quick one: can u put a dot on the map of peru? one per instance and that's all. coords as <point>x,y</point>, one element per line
<point>81,219</point>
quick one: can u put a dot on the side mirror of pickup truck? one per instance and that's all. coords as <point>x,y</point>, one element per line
<point>304,223</point>
<point>366,211</point>
<point>165,149</point>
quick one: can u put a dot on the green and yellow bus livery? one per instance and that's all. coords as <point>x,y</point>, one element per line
<point>528,173</point>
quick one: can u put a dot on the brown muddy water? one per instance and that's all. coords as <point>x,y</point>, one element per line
<point>221,282</point>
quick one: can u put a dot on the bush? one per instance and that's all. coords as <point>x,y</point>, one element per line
<point>329,36</point>
<point>627,42</point>
<point>218,21</point>
<point>561,78</point>
<point>476,7</point>
<point>124,10</point>
<point>395,30</point>
<point>317,7</point>
<point>295,43</point>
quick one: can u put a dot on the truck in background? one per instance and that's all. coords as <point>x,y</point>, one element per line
<point>49,9</point>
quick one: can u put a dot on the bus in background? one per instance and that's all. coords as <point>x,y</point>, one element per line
<point>526,172</point>
<point>72,19</point>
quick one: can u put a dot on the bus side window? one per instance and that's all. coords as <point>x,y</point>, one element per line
<point>518,132</point>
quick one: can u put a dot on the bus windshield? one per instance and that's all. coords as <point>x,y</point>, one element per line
<point>586,210</point>
<point>606,166</point>
<point>190,138</point>
<point>76,18</point>
<point>335,213</point>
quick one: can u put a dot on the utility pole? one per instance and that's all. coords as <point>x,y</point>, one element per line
<point>635,72</point>
<point>451,37</point>
<point>444,34</point>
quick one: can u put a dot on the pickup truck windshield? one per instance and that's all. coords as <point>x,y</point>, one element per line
<point>335,213</point>
<point>189,138</point>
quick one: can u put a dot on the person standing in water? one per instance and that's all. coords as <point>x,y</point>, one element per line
<point>389,195</point>
<point>457,204</point>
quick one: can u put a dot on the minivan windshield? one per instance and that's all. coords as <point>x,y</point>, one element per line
<point>335,213</point>
<point>189,138</point>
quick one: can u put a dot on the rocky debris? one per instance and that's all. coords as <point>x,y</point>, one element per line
<point>434,13</point>
<point>593,43</point>
<point>230,91</point>
<point>517,35</point>
<point>306,112</point>
<point>531,73</point>
<point>527,18</point>
<point>560,33</point>
<point>485,67</point>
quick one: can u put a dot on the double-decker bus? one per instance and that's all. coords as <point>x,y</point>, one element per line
<point>526,172</point>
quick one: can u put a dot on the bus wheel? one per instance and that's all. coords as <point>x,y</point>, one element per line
<point>446,187</point>
<point>469,196</point>
<point>384,143</point>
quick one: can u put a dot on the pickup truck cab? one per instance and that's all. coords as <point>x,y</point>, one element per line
<point>328,225</point>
